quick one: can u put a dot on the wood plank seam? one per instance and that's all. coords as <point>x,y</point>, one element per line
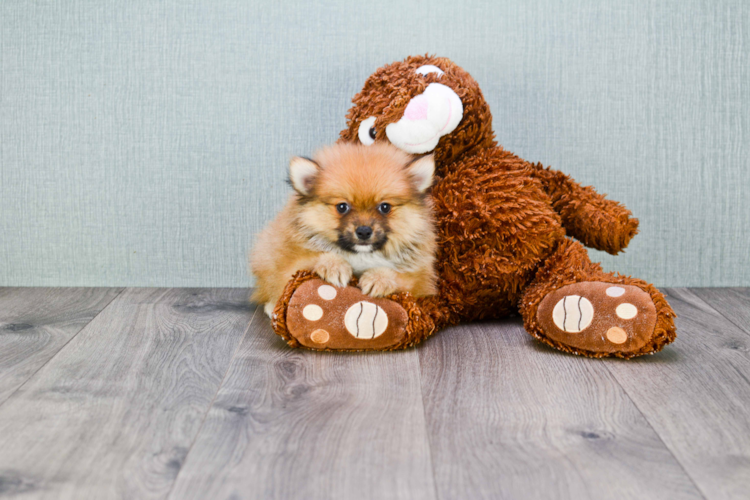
<point>114,415</point>
<point>523,431</point>
<point>646,419</point>
<point>744,329</point>
<point>213,400</point>
<point>671,451</point>
<point>424,420</point>
<point>83,327</point>
<point>328,416</point>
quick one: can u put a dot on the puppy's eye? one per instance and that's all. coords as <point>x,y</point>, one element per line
<point>342,208</point>
<point>384,208</point>
<point>367,131</point>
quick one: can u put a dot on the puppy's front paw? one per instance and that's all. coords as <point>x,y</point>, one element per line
<point>378,282</point>
<point>334,270</point>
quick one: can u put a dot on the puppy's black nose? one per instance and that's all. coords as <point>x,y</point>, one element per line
<point>363,232</point>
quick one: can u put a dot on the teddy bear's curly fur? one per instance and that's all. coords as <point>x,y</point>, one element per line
<point>506,229</point>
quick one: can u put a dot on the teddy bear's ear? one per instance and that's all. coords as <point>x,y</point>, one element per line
<point>429,68</point>
<point>302,174</point>
<point>421,171</point>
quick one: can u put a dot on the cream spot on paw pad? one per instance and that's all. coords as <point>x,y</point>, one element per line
<point>626,311</point>
<point>327,292</point>
<point>617,335</point>
<point>573,314</point>
<point>366,320</point>
<point>320,336</point>
<point>312,312</point>
<point>615,291</point>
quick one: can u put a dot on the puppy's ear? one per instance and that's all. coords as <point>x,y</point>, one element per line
<point>421,171</point>
<point>302,174</point>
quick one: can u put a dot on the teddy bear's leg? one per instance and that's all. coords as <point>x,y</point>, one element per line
<point>576,307</point>
<point>314,314</point>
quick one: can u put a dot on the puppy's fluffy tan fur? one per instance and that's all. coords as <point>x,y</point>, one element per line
<point>384,189</point>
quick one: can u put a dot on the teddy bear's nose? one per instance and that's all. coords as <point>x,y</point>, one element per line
<point>363,232</point>
<point>417,108</point>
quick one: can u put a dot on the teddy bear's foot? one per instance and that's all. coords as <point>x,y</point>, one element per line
<point>321,316</point>
<point>597,317</point>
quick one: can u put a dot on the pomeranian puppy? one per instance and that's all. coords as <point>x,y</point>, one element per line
<point>357,210</point>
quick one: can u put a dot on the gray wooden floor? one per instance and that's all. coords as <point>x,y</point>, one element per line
<point>186,393</point>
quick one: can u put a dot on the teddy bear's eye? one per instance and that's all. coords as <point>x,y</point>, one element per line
<point>429,68</point>
<point>367,131</point>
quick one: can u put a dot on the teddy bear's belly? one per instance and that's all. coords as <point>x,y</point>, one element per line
<point>495,227</point>
<point>487,281</point>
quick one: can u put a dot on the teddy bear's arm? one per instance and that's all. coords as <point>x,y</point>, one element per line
<point>587,215</point>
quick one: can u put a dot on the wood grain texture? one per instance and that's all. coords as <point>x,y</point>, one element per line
<point>732,303</point>
<point>299,424</point>
<point>115,413</point>
<point>35,323</point>
<point>510,418</point>
<point>178,394</point>
<point>696,395</point>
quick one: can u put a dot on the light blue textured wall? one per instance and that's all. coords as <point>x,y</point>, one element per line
<point>144,143</point>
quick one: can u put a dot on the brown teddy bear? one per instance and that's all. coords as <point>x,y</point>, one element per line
<point>503,245</point>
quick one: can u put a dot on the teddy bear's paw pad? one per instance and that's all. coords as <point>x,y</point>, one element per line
<point>321,316</point>
<point>598,317</point>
